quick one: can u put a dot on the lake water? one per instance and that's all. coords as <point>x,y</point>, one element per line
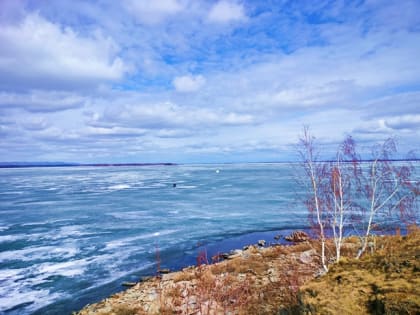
<point>70,236</point>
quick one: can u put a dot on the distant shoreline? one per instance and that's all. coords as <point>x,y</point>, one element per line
<point>83,165</point>
<point>64,164</point>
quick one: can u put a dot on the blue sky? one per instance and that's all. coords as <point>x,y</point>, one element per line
<point>204,81</point>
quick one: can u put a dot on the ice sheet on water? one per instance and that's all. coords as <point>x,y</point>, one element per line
<point>66,269</point>
<point>119,187</point>
<point>102,224</point>
<point>186,186</point>
<point>132,215</point>
<point>38,253</point>
<point>4,227</point>
<point>11,238</point>
<point>127,241</point>
<point>16,288</point>
<point>30,300</point>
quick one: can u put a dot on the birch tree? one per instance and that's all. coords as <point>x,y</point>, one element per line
<point>337,203</point>
<point>314,173</point>
<point>349,191</point>
<point>384,187</point>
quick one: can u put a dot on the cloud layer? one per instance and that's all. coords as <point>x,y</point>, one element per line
<point>204,81</point>
<point>39,54</point>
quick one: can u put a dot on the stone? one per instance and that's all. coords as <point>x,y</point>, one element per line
<point>129,284</point>
<point>277,237</point>
<point>261,243</point>
<point>235,254</point>
<point>320,273</point>
<point>169,276</point>
<point>306,257</point>
<point>225,255</point>
<point>164,270</point>
<point>297,236</point>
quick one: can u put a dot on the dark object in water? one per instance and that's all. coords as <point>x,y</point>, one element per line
<point>173,185</point>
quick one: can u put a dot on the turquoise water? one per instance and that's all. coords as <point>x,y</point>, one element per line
<point>69,236</point>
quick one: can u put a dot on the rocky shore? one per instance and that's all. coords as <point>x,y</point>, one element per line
<point>279,280</point>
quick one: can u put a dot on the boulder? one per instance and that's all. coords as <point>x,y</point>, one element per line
<point>261,243</point>
<point>129,284</point>
<point>297,236</point>
<point>235,254</point>
<point>306,257</point>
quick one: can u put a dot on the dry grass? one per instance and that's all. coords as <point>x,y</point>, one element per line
<point>273,281</point>
<point>261,281</point>
<point>122,310</point>
<point>386,281</point>
<point>184,276</point>
<point>275,252</point>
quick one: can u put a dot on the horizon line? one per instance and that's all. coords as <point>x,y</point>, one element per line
<point>76,164</point>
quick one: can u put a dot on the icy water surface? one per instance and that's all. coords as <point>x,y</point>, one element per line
<point>70,236</point>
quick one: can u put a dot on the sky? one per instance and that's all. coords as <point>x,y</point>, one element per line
<point>193,81</point>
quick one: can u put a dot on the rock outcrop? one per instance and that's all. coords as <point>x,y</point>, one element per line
<point>297,236</point>
<point>257,280</point>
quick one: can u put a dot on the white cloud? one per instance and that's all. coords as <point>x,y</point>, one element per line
<point>35,123</point>
<point>174,133</point>
<point>38,53</point>
<point>155,11</point>
<point>404,122</point>
<point>372,127</point>
<point>393,105</point>
<point>226,11</point>
<point>41,101</point>
<point>348,73</point>
<point>188,83</point>
<point>167,116</point>
<point>114,132</point>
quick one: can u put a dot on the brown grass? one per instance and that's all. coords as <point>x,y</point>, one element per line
<point>386,281</point>
<point>184,276</point>
<point>275,281</point>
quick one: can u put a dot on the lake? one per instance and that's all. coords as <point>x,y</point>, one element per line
<point>71,235</point>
